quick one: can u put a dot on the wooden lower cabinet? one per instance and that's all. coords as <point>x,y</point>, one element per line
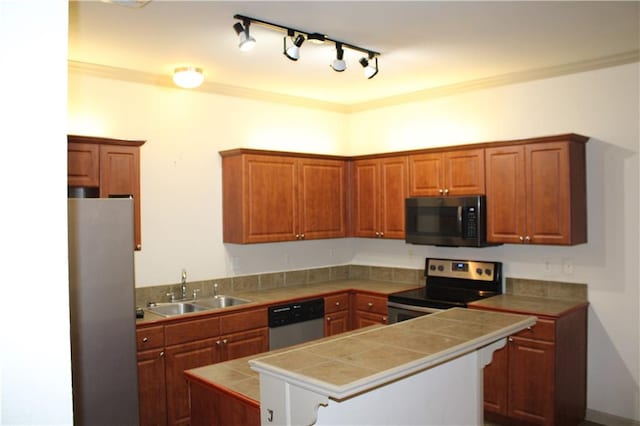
<point>152,402</point>
<point>369,309</point>
<point>213,407</point>
<point>539,377</point>
<point>336,314</point>
<point>163,389</point>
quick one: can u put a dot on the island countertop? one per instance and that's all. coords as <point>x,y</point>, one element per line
<point>353,362</point>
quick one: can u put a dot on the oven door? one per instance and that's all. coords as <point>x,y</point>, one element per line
<point>400,312</point>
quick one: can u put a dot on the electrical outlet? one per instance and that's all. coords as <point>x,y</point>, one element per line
<point>567,266</point>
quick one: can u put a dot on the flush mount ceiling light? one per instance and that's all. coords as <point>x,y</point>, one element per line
<point>338,63</point>
<point>246,42</point>
<point>293,51</point>
<point>188,77</point>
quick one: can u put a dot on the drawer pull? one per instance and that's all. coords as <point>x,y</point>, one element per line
<point>337,303</point>
<point>370,304</point>
<point>328,318</point>
<point>145,339</point>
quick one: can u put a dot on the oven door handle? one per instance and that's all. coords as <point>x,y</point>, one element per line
<point>413,308</point>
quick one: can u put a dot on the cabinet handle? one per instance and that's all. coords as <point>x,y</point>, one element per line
<point>161,354</point>
<point>510,339</point>
<point>139,247</point>
<point>224,342</point>
<point>302,236</point>
<point>145,339</point>
<point>384,319</point>
<point>521,238</point>
<point>441,190</point>
<point>446,191</point>
<point>370,304</point>
<point>328,318</point>
<point>527,238</point>
<point>218,342</point>
<point>337,303</point>
<point>381,234</point>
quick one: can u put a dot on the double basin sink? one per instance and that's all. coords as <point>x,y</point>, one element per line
<point>197,305</point>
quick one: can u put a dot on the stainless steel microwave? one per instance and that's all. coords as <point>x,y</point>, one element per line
<point>446,221</point>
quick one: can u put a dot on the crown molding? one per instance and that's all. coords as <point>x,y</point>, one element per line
<point>124,74</point>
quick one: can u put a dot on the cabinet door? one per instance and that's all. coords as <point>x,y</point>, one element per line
<point>180,358</point>
<point>336,323</point>
<point>270,204</point>
<point>393,184</point>
<point>83,164</point>
<point>548,196</point>
<point>365,198</point>
<point>120,175</point>
<point>426,175</point>
<point>495,382</point>
<point>152,403</point>
<point>365,319</point>
<point>505,188</point>
<point>531,380</point>
<point>322,198</point>
<point>246,343</point>
<point>464,172</point>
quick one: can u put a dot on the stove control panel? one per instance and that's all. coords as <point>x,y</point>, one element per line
<point>463,269</point>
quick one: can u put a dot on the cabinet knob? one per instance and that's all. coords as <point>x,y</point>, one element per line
<point>381,234</point>
<point>218,342</point>
<point>370,304</point>
<point>161,354</point>
<point>224,342</point>
<point>521,238</point>
<point>297,236</point>
<point>384,319</point>
<point>446,191</point>
<point>527,238</point>
<point>441,191</point>
<point>510,339</point>
<point>145,339</point>
<point>328,318</point>
<point>138,246</point>
<point>337,303</point>
<point>302,236</point>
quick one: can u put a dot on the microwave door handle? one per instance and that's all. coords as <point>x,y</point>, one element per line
<point>459,220</point>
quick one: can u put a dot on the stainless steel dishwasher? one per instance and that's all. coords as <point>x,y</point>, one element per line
<point>295,323</point>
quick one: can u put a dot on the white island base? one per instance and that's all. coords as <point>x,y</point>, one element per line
<point>425,371</point>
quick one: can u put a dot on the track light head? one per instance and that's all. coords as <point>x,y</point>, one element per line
<point>339,64</point>
<point>369,70</point>
<point>293,51</point>
<point>246,41</point>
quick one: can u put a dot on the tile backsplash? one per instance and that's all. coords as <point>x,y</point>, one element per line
<point>161,293</point>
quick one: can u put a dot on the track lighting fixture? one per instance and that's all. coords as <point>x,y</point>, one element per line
<point>296,37</point>
<point>293,52</point>
<point>369,70</point>
<point>338,63</point>
<point>246,41</point>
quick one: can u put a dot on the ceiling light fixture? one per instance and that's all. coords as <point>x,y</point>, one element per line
<point>188,77</point>
<point>338,63</point>
<point>369,70</point>
<point>293,51</point>
<point>246,41</point>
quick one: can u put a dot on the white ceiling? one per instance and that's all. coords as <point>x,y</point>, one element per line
<point>423,44</point>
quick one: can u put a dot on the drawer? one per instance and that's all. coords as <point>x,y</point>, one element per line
<point>232,323</point>
<point>542,330</point>
<point>371,303</point>
<point>337,303</point>
<point>149,338</point>
<point>189,331</point>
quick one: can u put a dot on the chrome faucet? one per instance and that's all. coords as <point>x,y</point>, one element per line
<point>183,285</point>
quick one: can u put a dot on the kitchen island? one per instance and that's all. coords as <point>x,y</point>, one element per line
<point>423,371</point>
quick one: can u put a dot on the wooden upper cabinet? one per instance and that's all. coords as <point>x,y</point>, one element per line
<point>455,172</point>
<point>83,164</point>
<point>379,190</point>
<point>268,198</point>
<point>111,165</point>
<point>536,192</point>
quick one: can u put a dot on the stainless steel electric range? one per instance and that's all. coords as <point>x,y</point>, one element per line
<point>448,283</point>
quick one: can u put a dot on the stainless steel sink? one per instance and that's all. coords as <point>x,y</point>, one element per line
<point>177,308</point>
<point>221,301</point>
<point>198,305</point>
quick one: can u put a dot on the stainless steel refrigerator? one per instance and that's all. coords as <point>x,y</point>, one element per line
<point>102,308</point>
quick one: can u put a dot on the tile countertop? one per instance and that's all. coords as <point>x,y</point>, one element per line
<point>531,305</point>
<point>353,362</point>
<point>284,294</point>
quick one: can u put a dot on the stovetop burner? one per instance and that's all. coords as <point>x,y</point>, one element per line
<point>453,283</point>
